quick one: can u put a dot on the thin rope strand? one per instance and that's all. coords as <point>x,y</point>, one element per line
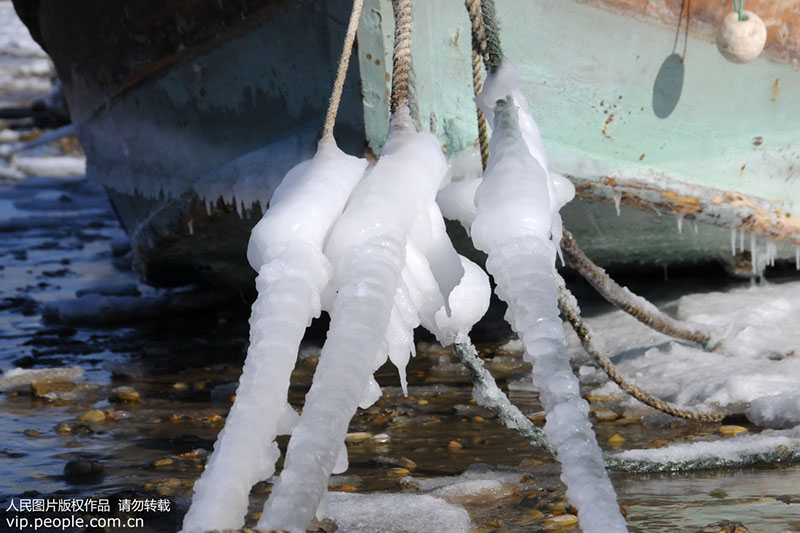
<point>341,72</point>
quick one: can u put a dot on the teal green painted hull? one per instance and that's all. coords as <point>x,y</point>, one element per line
<point>589,76</point>
<point>192,144</point>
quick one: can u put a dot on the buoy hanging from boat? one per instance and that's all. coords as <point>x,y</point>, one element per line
<point>742,34</point>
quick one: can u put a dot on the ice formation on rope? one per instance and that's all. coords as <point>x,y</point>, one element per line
<point>286,250</point>
<point>393,268</point>
<point>518,226</point>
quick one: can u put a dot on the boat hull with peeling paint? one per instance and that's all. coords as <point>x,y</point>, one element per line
<point>190,115</point>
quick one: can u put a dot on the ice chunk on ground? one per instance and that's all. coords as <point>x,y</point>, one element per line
<point>50,167</point>
<point>757,353</point>
<point>22,377</point>
<point>718,452</point>
<point>390,513</point>
<point>777,412</point>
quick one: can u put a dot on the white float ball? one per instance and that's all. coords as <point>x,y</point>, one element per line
<point>741,41</point>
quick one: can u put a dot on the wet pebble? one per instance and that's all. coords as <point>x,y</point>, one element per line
<point>83,471</point>
<point>358,436</point>
<point>605,415</point>
<point>94,416</point>
<point>401,462</point>
<point>732,430</point>
<point>381,438</point>
<point>616,440</point>
<point>454,446</point>
<point>562,520</point>
<point>125,394</point>
<point>42,388</point>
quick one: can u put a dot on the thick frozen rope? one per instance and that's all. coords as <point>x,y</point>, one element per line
<point>625,300</point>
<point>401,57</point>
<point>570,312</point>
<point>341,72</point>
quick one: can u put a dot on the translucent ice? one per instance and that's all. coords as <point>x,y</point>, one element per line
<point>286,250</point>
<point>517,213</point>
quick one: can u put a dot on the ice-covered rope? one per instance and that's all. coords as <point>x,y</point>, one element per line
<point>341,72</point>
<point>513,226</point>
<point>636,306</point>
<point>569,308</point>
<point>488,394</point>
<point>358,324</point>
<point>286,250</point>
<point>401,58</point>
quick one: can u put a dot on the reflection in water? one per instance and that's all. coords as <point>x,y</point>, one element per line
<point>668,86</point>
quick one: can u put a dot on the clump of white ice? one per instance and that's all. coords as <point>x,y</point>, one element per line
<point>22,377</point>
<point>756,357</point>
<point>389,513</point>
<point>777,412</point>
<point>286,251</point>
<point>393,268</point>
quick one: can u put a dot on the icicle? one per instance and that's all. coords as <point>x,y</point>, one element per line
<point>741,241</point>
<point>797,257</point>
<point>733,241</point>
<point>753,252</point>
<point>286,250</point>
<point>680,223</point>
<point>695,227</point>
<point>513,227</point>
<point>617,200</point>
<point>191,226</point>
<point>772,251</point>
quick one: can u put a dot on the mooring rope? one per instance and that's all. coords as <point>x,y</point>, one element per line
<point>401,57</point>
<point>493,56</point>
<point>571,313</point>
<point>642,310</point>
<point>495,399</point>
<point>341,72</point>
<point>478,52</point>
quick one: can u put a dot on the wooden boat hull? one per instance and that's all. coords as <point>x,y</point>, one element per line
<point>190,115</point>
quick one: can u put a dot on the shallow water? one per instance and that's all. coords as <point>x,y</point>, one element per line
<point>55,238</point>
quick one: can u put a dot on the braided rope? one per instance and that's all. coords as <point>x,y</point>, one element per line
<point>570,311</point>
<point>494,53</point>
<point>609,289</point>
<point>401,57</point>
<point>341,72</point>
<point>478,52</point>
